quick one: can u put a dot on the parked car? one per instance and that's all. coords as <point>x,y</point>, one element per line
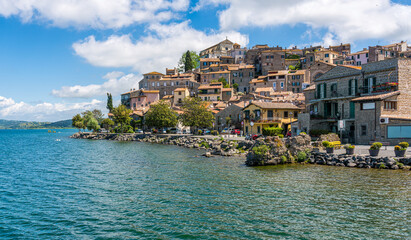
<point>225,131</point>
<point>255,136</point>
<point>173,130</point>
<point>206,132</point>
<point>139,131</point>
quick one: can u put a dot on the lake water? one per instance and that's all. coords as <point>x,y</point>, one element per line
<point>84,189</point>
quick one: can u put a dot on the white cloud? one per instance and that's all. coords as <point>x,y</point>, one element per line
<point>161,48</point>
<point>344,20</point>
<point>44,111</point>
<point>116,84</point>
<point>92,13</point>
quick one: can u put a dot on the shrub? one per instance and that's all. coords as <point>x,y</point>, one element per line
<point>349,146</point>
<point>281,135</point>
<point>301,156</point>
<point>261,150</point>
<point>318,132</point>
<point>272,131</point>
<point>397,148</point>
<point>376,145</point>
<point>199,132</point>
<point>214,132</point>
<point>204,144</point>
<point>283,159</point>
<point>382,165</point>
<point>130,131</point>
<point>404,145</point>
<point>400,165</point>
<point>327,144</point>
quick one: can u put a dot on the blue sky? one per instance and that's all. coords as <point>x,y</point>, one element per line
<point>60,57</point>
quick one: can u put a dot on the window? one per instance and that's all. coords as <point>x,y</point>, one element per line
<point>352,87</point>
<point>134,105</point>
<point>390,105</point>
<point>274,86</point>
<point>179,93</point>
<point>153,84</point>
<point>250,74</point>
<point>298,76</point>
<point>327,55</point>
<point>358,56</point>
<point>286,114</point>
<point>172,83</point>
<point>165,83</point>
<point>282,85</point>
<point>165,93</point>
<point>363,130</point>
<point>311,59</point>
<point>399,131</point>
<point>158,84</point>
<point>270,113</point>
<point>366,55</point>
<point>176,83</point>
<point>258,129</point>
<point>282,56</point>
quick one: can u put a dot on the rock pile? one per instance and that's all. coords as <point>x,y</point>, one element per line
<point>359,161</point>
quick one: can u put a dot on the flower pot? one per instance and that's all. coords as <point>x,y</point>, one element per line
<point>329,150</point>
<point>349,151</point>
<point>374,152</point>
<point>399,153</point>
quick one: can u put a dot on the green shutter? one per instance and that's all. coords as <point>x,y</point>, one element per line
<point>356,86</point>
<point>352,110</point>
<point>374,81</point>
<point>318,91</point>
<point>349,87</point>
<point>366,85</point>
<point>325,90</point>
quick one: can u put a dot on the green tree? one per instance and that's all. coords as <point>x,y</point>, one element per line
<point>235,86</point>
<point>136,124</point>
<point>228,121</point>
<point>107,123</point>
<point>93,125</point>
<point>224,82</point>
<point>121,115</point>
<point>78,122</point>
<point>109,102</point>
<point>195,61</point>
<point>188,63</point>
<point>161,115</point>
<point>97,114</point>
<point>195,114</point>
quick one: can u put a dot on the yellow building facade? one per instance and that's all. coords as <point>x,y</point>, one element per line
<point>259,115</point>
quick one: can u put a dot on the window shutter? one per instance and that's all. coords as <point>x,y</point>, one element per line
<point>319,91</point>
<point>356,86</point>
<point>325,90</point>
<point>349,87</point>
<point>374,81</point>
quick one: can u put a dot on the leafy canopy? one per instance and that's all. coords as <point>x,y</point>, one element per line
<point>188,61</point>
<point>195,113</point>
<point>161,115</point>
<point>121,115</point>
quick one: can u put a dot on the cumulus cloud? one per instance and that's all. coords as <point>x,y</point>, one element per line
<point>92,13</point>
<point>344,20</point>
<point>162,47</point>
<point>12,110</point>
<point>116,84</point>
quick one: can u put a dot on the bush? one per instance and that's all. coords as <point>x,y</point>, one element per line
<point>349,146</point>
<point>281,135</point>
<point>327,144</point>
<point>130,131</point>
<point>376,145</point>
<point>199,132</point>
<point>214,132</point>
<point>301,156</point>
<point>283,159</point>
<point>318,132</point>
<point>404,145</point>
<point>400,165</point>
<point>382,165</point>
<point>204,144</point>
<point>272,131</point>
<point>261,150</point>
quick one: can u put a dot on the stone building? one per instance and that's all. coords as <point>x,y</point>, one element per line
<point>242,75</point>
<point>342,49</point>
<point>179,95</point>
<point>272,60</point>
<point>166,84</point>
<point>238,53</point>
<point>372,102</point>
<point>214,92</point>
<point>235,114</point>
<point>220,49</point>
<point>379,53</point>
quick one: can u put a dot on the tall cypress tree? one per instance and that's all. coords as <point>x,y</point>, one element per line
<point>109,102</point>
<point>188,63</point>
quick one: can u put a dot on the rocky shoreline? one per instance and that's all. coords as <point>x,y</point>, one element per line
<point>260,152</point>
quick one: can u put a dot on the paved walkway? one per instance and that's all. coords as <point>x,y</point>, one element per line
<point>385,151</point>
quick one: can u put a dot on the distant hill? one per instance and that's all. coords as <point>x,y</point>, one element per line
<point>11,124</point>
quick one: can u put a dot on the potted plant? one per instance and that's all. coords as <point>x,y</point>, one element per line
<point>328,146</point>
<point>375,149</point>
<point>400,149</point>
<point>349,149</point>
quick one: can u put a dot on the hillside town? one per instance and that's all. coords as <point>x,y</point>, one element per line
<point>362,96</point>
